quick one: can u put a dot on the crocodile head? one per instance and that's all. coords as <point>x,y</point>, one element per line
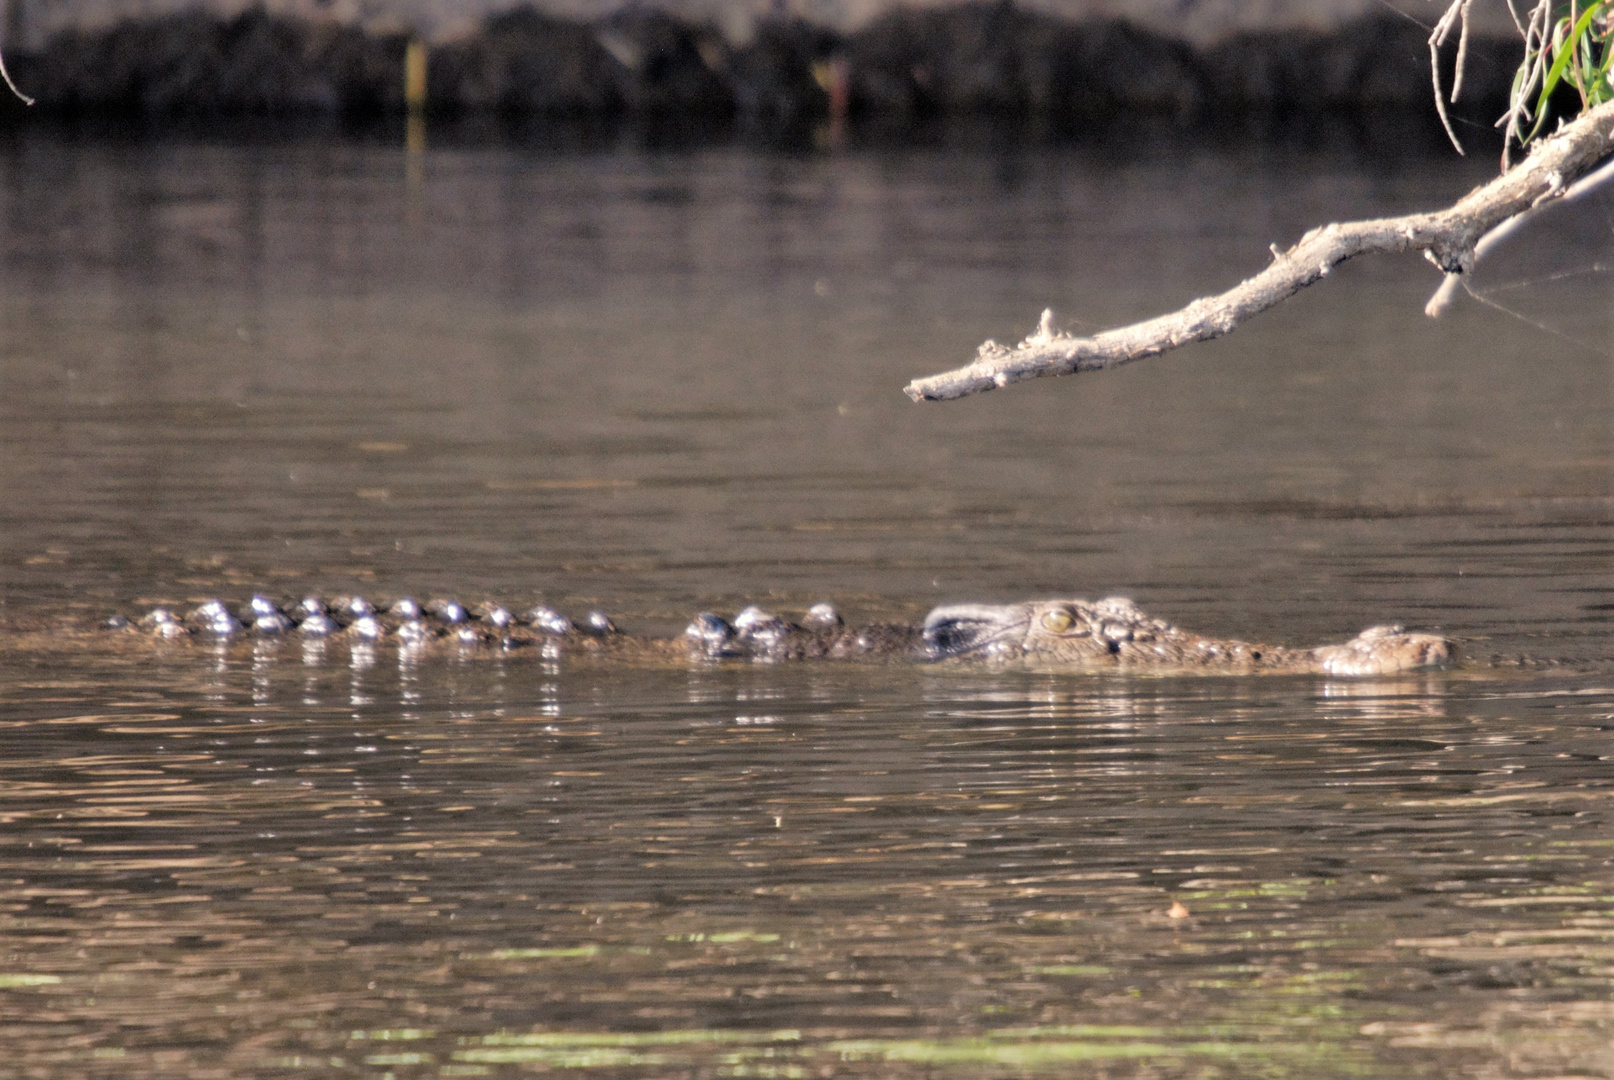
<point>1114,633</point>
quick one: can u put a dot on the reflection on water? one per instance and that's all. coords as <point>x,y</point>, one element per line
<point>363,861</point>
<point>669,381</point>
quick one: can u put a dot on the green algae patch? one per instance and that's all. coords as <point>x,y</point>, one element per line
<point>606,1050</point>
<point>1009,1049</point>
<point>988,1051</point>
<point>637,1038</point>
<point>1071,969</point>
<point>1087,1031</point>
<point>592,1057</point>
<point>400,1059</point>
<point>1033,1048</point>
<point>566,953</point>
<point>734,936</point>
<point>12,979</point>
<point>1221,898</point>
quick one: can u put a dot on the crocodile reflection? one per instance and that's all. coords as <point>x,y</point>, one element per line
<point>1104,635</point>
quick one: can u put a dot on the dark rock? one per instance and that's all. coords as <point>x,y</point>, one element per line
<point>980,58</point>
<point>1107,68</point>
<point>1378,62</point>
<point>994,57</point>
<point>776,78</point>
<point>365,72</point>
<point>525,62</point>
<point>193,64</point>
<point>673,67</point>
<point>938,60</point>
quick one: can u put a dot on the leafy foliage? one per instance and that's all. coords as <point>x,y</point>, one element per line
<point>1563,46</point>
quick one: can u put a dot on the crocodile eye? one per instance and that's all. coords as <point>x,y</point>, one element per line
<point>1058,620</point>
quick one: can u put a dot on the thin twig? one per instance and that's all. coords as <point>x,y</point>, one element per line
<point>4,74</point>
<point>1513,13</point>
<point>1447,237</point>
<point>1461,63</point>
<point>1532,72</point>
<point>1437,38</point>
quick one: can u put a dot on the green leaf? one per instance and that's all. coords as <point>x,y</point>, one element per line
<point>1566,53</point>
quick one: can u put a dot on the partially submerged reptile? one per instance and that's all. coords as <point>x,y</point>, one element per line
<point>1104,635</point>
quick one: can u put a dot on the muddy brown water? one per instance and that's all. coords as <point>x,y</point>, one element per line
<point>659,381</point>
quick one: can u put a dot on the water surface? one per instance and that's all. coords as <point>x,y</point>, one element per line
<point>662,381</point>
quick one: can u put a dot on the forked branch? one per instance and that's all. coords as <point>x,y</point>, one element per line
<point>1447,237</point>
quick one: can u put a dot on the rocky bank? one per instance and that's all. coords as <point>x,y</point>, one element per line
<point>992,58</point>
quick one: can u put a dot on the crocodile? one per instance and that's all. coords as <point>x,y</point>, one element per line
<point>1111,634</point>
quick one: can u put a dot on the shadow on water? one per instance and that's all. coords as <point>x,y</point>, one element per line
<point>663,381</point>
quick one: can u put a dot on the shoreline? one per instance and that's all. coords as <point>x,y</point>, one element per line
<point>905,68</point>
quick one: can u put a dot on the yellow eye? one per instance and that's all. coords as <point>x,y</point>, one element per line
<point>1058,620</point>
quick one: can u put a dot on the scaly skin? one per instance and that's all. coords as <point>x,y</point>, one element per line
<point>1112,634</point>
<point>1074,635</point>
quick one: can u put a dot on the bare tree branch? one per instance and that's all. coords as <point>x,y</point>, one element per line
<point>1447,237</point>
<point>1584,186</point>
